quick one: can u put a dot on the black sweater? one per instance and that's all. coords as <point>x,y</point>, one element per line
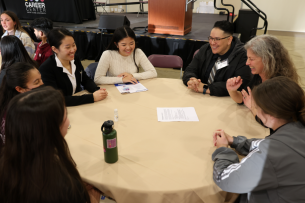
<point>54,76</point>
<point>237,67</point>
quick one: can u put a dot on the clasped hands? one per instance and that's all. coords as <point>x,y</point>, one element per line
<point>127,77</point>
<point>196,85</point>
<point>222,139</point>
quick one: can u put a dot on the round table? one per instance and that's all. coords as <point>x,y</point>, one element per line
<point>168,162</point>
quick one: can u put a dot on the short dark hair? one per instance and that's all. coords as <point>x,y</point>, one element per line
<point>225,26</point>
<point>42,24</point>
<point>56,36</point>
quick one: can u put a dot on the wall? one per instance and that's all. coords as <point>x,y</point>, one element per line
<point>283,15</point>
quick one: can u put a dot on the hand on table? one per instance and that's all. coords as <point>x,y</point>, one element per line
<point>100,94</point>
<point>234,83</point>
<point>247,98</point>
<point>127,77</point>
<point>196,85</point>
<point>221,139</point>
<point>94,194</point>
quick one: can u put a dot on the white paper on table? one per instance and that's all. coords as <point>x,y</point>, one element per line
<point>130,88</point>
<point>177,114</point>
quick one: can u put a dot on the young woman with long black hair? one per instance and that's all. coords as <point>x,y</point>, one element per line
<point>64,71</point>
<point>121,61</point>
<point>12,51</point>
<point>35,163</point>
<point>19,78</point>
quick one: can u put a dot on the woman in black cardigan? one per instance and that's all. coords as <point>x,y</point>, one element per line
<point>64,71</point>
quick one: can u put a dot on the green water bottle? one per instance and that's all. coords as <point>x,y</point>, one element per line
<point>110,142</point>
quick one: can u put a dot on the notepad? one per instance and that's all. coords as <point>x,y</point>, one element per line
<point>130,88</point>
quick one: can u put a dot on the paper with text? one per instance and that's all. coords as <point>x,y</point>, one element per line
<point>177,114</point>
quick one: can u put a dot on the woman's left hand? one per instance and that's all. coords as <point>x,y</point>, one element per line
<point>247,98</point>
<point>124,75</point>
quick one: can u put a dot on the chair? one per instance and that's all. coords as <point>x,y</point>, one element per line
<point>195,53</point>
<point>90,70</point>
<point>166,61</point>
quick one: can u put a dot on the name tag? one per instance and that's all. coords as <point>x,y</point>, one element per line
<point>222,64</point>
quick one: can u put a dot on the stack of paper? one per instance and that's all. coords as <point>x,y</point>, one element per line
<point>131,88</point>
<point>177,114</point>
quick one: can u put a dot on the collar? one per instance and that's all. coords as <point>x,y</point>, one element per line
<point>227,54</point>
<point>59,64</point>
<point>17,33</point>
<point>273,131</point>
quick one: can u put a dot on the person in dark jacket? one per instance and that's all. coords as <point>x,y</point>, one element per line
<point>222,58</point>
<point>273,169</point>
<point>64,71</point>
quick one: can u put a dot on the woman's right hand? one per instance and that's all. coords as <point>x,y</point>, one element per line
<point>100,95</point>
<point>234,83</point>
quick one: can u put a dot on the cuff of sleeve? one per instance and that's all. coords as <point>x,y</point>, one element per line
<point>225,153</point>
<point>235,142</point>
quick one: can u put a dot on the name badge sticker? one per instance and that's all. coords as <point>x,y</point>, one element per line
<point>222,64</point>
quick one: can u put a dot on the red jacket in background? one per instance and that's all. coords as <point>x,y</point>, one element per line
<point>43,53</point>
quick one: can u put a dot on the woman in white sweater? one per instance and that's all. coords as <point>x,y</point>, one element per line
<point>121,61</point>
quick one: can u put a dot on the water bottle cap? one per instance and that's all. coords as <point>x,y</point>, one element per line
<point>108,126</point>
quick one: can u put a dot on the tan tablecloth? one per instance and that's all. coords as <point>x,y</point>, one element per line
<point>159,162</point>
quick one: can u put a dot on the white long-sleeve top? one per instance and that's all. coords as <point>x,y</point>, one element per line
<point>112,63</point>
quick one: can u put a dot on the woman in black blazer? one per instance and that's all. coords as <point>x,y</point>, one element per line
<point>64,71</point>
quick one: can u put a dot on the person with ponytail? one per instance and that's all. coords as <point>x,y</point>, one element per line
<point>122,60</point>
<point>35,163</point>
<point>64,70</point>
<point>19,78</point>
<point>273,169</point>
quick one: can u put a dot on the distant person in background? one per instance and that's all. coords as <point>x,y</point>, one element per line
<point>35,164</point>
<point>12,26</point>
<point>12,51</point>
<point>222,58</point>
<point>122,61</point>
<point>42,27</point>
<point>19,78</point>
<point>64,71</point>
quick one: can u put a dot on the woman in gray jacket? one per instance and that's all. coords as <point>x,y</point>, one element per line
<point>273,169</point>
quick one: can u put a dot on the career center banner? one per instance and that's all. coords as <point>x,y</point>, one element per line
<point>35,6</point>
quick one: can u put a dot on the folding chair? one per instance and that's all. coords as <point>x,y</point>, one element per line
<point>166,61</point>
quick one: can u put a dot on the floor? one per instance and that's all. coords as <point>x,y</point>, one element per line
<point>294,42</point>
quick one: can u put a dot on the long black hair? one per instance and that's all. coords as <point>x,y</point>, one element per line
<point>119,34</point>
<point>12,51</point>
<point>16,75</point>
<point>35,163</point>
<point>56,36</point>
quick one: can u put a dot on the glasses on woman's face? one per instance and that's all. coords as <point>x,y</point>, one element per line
<point>216,39</point>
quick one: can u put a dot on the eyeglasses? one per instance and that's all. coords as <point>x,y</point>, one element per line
<point>217,39</point>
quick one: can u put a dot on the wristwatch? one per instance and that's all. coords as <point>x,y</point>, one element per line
<point>205,87</point>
